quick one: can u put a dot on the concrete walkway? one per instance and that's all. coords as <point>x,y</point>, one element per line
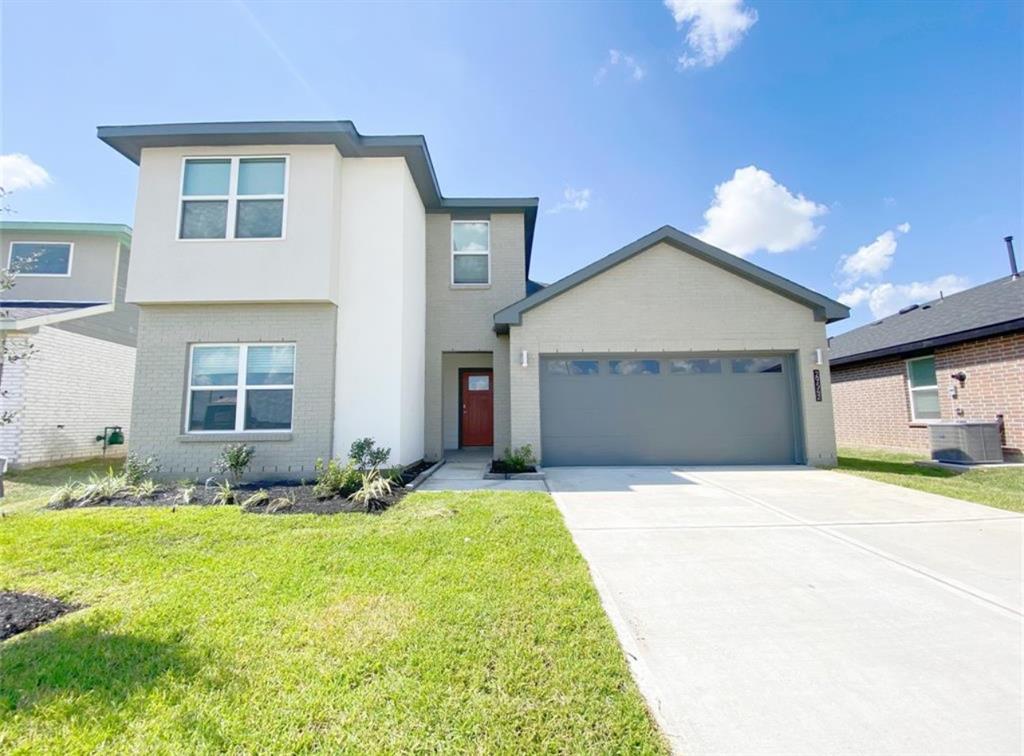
<point>464,470</point>
<point>798,611</point>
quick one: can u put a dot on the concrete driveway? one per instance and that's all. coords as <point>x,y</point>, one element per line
<point>800,611</point>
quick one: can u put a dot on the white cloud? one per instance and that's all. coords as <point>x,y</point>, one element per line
<point>887,298</point>
<point>752,211</point>
<point>633,69</point>
<point>715,28</point>
<point>889,201</point>
<point>575,199</point>
<point>19,171</point>
<point>871,260</point>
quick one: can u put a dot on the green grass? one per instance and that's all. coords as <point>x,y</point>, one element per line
<point>453,622</point>
<point>25,490</point>
<point>1001,488</point>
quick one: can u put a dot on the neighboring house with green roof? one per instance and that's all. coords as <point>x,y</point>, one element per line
<point>68,302</point>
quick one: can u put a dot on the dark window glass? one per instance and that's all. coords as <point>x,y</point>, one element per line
<point>268,409</point>
<point>41,259</point>
<point>213,410</point>
<point>695,367</point>
<point>757,365</point>
<point>634,367</point>
<point>259,219</point>
<point>204,219</point>
<point>470,269</point>
<point>583,367</point>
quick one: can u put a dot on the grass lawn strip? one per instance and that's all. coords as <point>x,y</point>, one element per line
<point>1002,488</point>
<point>456,622</point>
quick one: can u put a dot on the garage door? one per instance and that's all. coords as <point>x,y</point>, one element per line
<point>661,410</point>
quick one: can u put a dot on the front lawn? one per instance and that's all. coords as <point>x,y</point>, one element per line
<point>452,622</point>
<point>1002,488</point>
<point>30,489</point>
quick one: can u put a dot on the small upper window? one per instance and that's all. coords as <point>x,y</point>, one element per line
<point>471,252</point>
<point>233,198</point>
<point>40,259</point>
<point>634,367</point>
<point>695,367</point>
<point>924,389</point>
<point>757,365</point>
<point>573,367</point>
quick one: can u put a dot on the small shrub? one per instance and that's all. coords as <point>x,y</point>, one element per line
<point>256,500</point>
<point>145,489</point>
<point>234,460</point>
<point>101,488</point>
<point>225,494</point>
<point>281,504</point>
<point>394,474</point>
<point>186,492</point>
<point>372,492</point>
<point>137,469</point>
<point>335,479</point>
<point>366,455</point>
<point>66,495</point>
<point>519,459</point>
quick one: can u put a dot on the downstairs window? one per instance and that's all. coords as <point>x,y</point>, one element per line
<point>240,387</point>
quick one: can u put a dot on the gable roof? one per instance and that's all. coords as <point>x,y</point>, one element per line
<point>131,140</point>
<point>986,310</point>
<point>121,232</point>
<point>824,308</point>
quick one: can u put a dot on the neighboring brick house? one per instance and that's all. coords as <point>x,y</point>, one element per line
<point>960,357</point>
<point>68,302</point>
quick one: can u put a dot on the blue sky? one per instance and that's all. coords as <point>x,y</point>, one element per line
<point>875,147</point>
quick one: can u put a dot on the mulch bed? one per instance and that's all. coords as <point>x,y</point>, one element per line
<point>20,612</point>
<point>300,497</point>
<point>499,467</point>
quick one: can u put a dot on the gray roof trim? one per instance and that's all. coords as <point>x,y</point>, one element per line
<point>131,140</point>
<point>923,345</point>
<point>824,308</point>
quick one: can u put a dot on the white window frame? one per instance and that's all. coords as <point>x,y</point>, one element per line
<point>473,252</point>
<point>240,387</point>
<point>911,389</point>
<point>71,259</point>
<point>232,198</point>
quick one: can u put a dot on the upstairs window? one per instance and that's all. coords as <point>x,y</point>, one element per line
<point>471,253</point>
<point>41,258</point>
<point>924,389</point>
<point>233,198</point>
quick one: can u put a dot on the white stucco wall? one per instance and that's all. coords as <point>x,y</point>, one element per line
<point>93,262</point>
<point>667,300</point>
<point>381,311</point>
<point>297,268</point>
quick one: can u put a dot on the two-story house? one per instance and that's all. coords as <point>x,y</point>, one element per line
<point>68,303</point>
<point>302,285</point>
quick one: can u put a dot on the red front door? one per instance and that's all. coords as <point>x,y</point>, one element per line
<point>477,394</point>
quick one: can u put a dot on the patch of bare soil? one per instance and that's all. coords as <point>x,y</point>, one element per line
<point>20,612</point>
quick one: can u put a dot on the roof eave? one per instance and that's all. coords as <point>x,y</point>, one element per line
<point>919,345</point>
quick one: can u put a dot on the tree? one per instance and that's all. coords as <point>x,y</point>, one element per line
<point>12,350</point>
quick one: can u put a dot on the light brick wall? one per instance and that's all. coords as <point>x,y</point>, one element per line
<point>165,335</point>
<point>664,299</point>
<point>462,319</point>
<point>72,387</point>
<point>12,383</point>
<point>872,404</point>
